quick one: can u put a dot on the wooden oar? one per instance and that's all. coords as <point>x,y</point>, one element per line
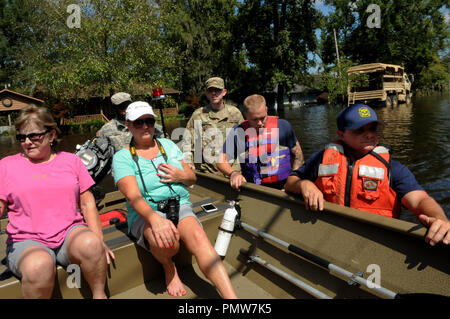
<point>378,290</point>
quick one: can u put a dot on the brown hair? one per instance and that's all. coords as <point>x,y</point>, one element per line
<point>40,116</point>
<point>254,102</point>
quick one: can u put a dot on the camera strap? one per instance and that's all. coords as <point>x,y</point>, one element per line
<point>136,159</point>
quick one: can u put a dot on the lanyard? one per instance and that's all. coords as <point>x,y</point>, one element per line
<point>136,159</point>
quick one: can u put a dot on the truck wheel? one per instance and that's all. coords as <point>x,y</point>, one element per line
<point>408,98</point>
<point>388,102</point>
<point>395,100</point>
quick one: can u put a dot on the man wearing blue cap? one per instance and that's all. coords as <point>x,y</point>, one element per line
<point>356,171</point>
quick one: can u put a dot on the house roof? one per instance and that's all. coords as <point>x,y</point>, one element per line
<point>15,101</point>
<point>6,91</point>
<point>297,88</point>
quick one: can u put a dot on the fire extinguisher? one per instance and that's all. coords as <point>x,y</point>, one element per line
<point>226,228</point>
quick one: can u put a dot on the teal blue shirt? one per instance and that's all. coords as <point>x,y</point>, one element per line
<point>124,165</point>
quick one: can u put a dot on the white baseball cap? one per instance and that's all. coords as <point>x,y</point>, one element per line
<point>136,109</point>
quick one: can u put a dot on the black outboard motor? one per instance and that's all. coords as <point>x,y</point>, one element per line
<point>97,154</point>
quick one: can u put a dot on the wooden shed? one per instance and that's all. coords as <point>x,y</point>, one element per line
<point>14,101</point>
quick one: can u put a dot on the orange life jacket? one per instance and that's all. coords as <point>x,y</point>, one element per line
<point>363,185</point>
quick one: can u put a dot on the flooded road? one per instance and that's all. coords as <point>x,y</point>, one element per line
<point>419,134</point>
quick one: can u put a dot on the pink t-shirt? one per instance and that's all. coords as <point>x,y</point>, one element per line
<point>43,199</point>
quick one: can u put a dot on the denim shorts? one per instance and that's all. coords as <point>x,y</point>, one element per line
<point>137,229</point>
<point>14,251</point>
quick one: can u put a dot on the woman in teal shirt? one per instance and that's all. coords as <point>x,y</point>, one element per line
<point>156,172</point>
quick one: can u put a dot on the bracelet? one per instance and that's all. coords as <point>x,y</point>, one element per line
<point>229,175</point>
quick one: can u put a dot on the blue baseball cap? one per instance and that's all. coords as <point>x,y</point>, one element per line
<point>356,116</point>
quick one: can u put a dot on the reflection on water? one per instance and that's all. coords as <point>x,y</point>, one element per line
<point>419,135</point>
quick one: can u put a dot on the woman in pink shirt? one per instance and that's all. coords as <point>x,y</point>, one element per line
<point>52,214</point>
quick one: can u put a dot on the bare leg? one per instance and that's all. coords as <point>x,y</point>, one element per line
<point>209,262</point>
<point>164,256</point>
<point>38,273</point>
<point>86,249</point>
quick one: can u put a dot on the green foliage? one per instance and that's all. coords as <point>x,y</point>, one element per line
<point>337,84</point>
<point>278,37</point>
<point>254,45</point>
<point>199,32</point>
<point>412,33</point>
<point>436,75</point>
<point>117,45</point>
<point>88,126</point>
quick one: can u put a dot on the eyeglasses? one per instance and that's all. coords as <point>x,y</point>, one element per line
<point>150,121</point>
<point>34,137</point>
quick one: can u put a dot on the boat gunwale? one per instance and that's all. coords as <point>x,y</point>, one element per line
<point>405,227</point>
<point>415,230</point>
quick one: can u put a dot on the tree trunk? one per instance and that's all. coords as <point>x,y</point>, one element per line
<point>280,96</point>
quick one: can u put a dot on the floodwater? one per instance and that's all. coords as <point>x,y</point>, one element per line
<point>419,134</point>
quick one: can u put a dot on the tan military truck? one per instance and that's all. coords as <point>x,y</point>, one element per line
<point>378,84</point>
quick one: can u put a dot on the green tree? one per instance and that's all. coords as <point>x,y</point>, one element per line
<point>14,16</point>
<point>279,34</point>
<point>411,33</point>
<point>200,32</point>
<point>117,44</point>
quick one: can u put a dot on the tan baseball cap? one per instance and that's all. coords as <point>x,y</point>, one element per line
<point>215,82</point>
<point>120,97</point>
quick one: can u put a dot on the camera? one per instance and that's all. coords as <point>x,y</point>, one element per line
<point>170,207</point>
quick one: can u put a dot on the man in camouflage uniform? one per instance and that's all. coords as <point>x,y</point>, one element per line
<point>208,128</point>
<point>116,129</point>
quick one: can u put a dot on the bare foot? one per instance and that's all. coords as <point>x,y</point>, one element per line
<point>174,285</point>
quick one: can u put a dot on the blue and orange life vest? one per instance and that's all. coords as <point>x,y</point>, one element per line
<point>363,185</point>
<point>266,161</point>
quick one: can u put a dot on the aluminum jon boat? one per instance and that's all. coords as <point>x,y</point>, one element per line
<point>278,250</point>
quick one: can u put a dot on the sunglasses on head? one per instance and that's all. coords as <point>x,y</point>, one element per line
<point>34,137</point>
<point>150,121</point>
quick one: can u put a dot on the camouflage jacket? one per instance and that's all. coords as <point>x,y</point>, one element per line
<point>207,130</point>
<point>119,134</point>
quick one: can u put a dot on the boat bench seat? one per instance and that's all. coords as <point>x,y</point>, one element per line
<point>123,273</point>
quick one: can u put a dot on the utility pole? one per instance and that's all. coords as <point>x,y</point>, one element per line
<point>338,61</point>
<point>337,52</point>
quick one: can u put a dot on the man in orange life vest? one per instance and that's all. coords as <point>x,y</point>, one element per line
<point>266,146</point>
<point>358,172</point>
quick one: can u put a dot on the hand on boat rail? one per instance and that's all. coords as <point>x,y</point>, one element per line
<point>236,180</point>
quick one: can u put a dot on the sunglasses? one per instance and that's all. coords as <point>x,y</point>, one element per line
<point>150,121</point>
<point>34,137</point>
